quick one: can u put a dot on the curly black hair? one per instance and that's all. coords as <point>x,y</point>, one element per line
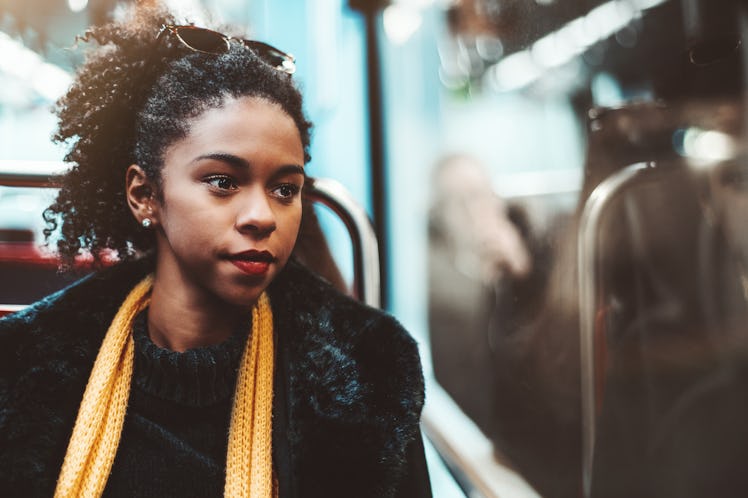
<point>132,98</point>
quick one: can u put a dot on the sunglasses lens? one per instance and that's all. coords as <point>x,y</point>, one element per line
<point>279,60</point>
<point>203,40</point>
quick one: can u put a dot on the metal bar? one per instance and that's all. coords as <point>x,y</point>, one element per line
<point>371,11</point>
<point>31,173</point>
<point>481,470</point>
<point>365,247</point>
<point>587,258</point>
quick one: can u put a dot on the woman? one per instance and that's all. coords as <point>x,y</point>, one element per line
<point>204,362</point>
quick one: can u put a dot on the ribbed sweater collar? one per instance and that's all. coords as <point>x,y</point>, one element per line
<point>196,377</point>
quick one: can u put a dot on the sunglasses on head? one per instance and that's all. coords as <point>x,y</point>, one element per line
<point>208,41</point>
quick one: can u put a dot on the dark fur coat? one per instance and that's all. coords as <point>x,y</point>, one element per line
<point>354,387</point>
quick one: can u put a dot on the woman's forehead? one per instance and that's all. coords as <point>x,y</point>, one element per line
<point>244,127</point>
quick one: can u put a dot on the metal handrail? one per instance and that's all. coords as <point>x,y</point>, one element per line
<point>587,258</point>
<point>365,247</point>
<point>481,469</point>
<point>38,174</point>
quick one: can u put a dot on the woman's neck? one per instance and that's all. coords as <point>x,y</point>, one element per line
<point>179,321</point>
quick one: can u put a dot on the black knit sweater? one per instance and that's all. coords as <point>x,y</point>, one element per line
<point>176,428</point>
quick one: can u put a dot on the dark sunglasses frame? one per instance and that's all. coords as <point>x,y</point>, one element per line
<point>217,43</point>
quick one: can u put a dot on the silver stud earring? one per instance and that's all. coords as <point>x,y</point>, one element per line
<point>146,223</point>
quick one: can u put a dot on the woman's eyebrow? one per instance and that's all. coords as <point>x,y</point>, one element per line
<point>230,159</point>
<point>240,163</point>
<point>290,169</point>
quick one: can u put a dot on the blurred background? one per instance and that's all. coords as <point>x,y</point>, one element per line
<point>559,192</point>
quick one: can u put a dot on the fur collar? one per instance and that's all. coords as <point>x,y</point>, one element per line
<point>354,397</point>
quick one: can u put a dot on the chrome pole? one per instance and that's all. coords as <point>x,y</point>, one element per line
<point>31,173</point>
<point>587,257</point>
<point>364,240</point>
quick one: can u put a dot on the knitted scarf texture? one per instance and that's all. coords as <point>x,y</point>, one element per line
<point>98,426</point>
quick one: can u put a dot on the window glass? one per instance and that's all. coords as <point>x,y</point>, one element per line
<point>566,177</point>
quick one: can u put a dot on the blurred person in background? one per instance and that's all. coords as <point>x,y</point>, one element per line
<point>473,244</point>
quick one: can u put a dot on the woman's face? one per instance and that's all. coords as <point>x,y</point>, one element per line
<point>231,206</point>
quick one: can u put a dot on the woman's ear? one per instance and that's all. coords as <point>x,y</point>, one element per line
<point>141,196</point>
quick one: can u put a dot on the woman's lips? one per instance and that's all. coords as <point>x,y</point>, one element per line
<point>252,262</point>
<point>252,267</point>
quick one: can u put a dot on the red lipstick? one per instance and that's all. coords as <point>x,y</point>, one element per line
<point>253,262</point>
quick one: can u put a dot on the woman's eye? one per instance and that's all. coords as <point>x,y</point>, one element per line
<point>221,182</point>
<point>286,191</point>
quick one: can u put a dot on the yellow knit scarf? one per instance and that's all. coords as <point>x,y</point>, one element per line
<point>93,445</point>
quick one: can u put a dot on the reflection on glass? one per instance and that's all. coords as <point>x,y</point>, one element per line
<point>473,245</point>
<point>672,319</point>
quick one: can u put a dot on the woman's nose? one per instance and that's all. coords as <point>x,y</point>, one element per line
<point>255,214</point>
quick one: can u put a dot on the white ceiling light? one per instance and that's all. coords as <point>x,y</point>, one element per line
<point>48,80</point>
<point>401,21</point>
<point>561,46</point>
<point>514,71</point>
<point>708,146</point>
<point>77,5</point>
